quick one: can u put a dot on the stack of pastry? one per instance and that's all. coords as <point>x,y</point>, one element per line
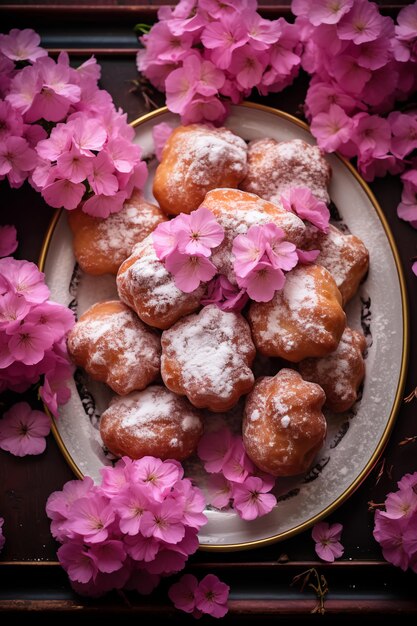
<point>167,358</point>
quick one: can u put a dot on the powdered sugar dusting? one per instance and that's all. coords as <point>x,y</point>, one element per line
<point>211,352</point>
<point>275,167</point>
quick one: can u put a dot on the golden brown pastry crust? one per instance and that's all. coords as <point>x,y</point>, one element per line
<point>304,319</point>
<point>340,373</point>
<point>207,357</point>
<point>344,255</point>
<point>153,422</point>
<point>275,167</point>
<point>112,344</point>
<point>148,288</point>
<point>236,211</point>
<point>195,159</point>
<point>283,426</point>
<point>101,245</point>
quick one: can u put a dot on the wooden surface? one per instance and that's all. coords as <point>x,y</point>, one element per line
<point>260,580</point>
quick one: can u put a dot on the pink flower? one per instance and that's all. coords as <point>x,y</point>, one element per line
<point>23,431</point>
<point>114,479</point>
<point>238,465</point>
<point>321,11</point>
<point>58,142</point>
<point>29,343</point>
<point>320,96</point>
<point>165,237</point>
<point>372,134</point>
<point>91,517</point>
<point>160,134</point>
<point>109,556</point>
<point>250,498</point>
<point>211,596</point>
<point>222,38</point>
<point>11,122</point>
<point>158,476</point>
<point>189,271</point>
<point>63,193</point>
<point>248,65</point>
<point>378,165</point>
<point>78,561</point>
<point>390,533</point>
<point>349,73</point>
<point>307,256</point>
<point>142,548</point>
<point>123,154</point>
<point>73,166</point>
<point>22,45</point>
<point>406,18</point>
<point>207,110</point>
<point>24,87</point>
<point>327,538</point>
<point>180,86</point>
<point>262,33</point>
<point>130,506</point>
<point>331,129</point>
<point>2,538</point>
<point>198,233</point>
<point>13,309</point>
<point>282,254</point>
<point>219,491</point>
<point>208,78</point>
<point>301,201</point>
<point>163,522</point>
<point>214,449</point>
<point>182,593</point>
<point>24,278</point>
<point>8,240</point>
<point>362,23</point>
<point>59,504</point>
<point>401,503</point>
<point>102,206</point>
<point>54,391</point>
<point>262,282</point>
<point>248,250</point>
<point>226,296</point>
<point>192,503</point>
<point>404,133</point>
<point>16,157</point>
<point>408,480</point>
<point>87,135</point>
<point>407,209</point>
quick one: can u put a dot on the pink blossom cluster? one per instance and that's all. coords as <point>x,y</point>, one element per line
<point>205,54</point>
<point>185,243</point>
<point>61,132</point>
<point>396,527</point>
<point>138,525</point>
<point>209,596</point>
<point>362,64</point>
<point>234,480</point>
<point>32,334</point>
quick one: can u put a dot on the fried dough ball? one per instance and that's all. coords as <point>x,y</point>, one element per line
<point>195,159</point>
<point>236,211</point>
<point>149,289</point>
<point>283,425</point>
<point>344,255</point>
<point>304,319</point>
<point>112,344</point>
<point>207,357</point>
<point>275,167</point>
<point>153,422</point>
<point>340,373</point>
<point>101,245</point>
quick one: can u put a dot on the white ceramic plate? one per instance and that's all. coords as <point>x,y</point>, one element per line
<point>355,440</point>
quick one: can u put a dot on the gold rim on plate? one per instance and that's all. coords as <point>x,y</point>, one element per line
<point>404,359</point>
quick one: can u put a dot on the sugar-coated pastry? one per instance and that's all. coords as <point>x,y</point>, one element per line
<point>340,373</point>
<point>207,357</point>
<point>304,319</point>
<point>236,211</point>
<point>275,167</point>
<point>344,255</point>
<point>112,344</point>
<point>101,245</point>
<point>152,422</point>
<point>283,425</point>
<point>149,289</point>
<point>195,159</point>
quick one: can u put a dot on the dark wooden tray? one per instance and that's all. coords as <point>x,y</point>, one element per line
<point>261,580</point>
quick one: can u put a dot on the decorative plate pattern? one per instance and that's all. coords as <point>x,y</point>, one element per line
<point>355,439</point>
